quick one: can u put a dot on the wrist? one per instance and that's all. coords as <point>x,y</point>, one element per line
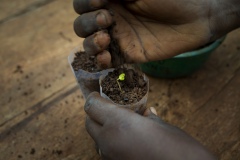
<point>224,17</point>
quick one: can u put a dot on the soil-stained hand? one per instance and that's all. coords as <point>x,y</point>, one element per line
<point>122,134</point>
<point>146,30</point>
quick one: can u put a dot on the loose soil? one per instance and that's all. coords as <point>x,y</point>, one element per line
<point>85,62</point>
<point>134,87</point>
<point>117,57</point>
<point>89,63</point>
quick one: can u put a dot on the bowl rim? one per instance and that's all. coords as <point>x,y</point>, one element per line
<point>206,49</point>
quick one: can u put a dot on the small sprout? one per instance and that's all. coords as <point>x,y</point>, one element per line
<point>121,77</point>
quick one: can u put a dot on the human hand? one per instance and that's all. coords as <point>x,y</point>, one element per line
<point>145,30</point>
<point>122,134</point>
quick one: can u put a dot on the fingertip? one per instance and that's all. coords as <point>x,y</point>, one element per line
<point>96,43</point>
<point>77,25</point>
<point>104,19</point>
<point>82,6</point>
<point>88,23</point>
<point>104,60</point>
<point>76,6</point>
<point>102,40</point>
<point>153,110</point>
<point>150,111</point>
<point>94,94</point>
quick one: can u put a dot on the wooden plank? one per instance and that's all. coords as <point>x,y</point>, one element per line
<point>12,9</point>
<point>216,124</point>
<point>190,103</point>
<point>233,153</point>
<point>34,50</point>
<point>41,115</point>
<point>36,78</point>
<point>177,99</point>
<point>51,130</point>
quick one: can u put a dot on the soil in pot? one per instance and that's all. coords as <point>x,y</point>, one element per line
<point>85,62</point>
<point>86,72</point>
<point>117,57</point>
<point>128,91</point>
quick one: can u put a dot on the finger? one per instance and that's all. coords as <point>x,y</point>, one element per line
<point>150,111</point>
<point>88,23</point>
<point>96,43</point>
<point>98,108</point>
<point>98,150</point>
<point>104,60</point>
<point>152,114</point>
<point>92,128</point>
<point>82,6</point>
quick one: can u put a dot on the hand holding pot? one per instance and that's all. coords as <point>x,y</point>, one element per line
<point>122,134</point>
<point>153,30</point>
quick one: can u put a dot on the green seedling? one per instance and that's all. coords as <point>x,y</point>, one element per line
<point>121,77</point>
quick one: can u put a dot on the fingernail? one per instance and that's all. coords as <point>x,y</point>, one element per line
<point>101,19</point>
<point>153,110</point>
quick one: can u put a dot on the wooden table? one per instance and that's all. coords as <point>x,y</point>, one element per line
<point>41,106</point>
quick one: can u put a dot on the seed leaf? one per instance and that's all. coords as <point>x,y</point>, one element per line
<point>121,77</point>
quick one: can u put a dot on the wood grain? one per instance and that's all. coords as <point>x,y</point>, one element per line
<point>41,113</point>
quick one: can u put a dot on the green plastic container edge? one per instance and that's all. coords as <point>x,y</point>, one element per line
<point>179,66</point>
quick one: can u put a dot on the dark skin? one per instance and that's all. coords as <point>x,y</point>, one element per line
<point>147,30</point>
<point>150,30</point>
<point>122,134</point>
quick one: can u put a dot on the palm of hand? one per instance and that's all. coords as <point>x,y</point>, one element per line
<point>148,31</point>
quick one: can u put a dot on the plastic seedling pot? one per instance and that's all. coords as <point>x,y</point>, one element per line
<point>181,65</point>
<point>87,81</point>
<point>138,107</point>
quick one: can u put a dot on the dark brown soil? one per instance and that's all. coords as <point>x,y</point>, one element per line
<point>89,63</point>
<point>85,62</point>
<point>117,57</point>
<point>134,88</point>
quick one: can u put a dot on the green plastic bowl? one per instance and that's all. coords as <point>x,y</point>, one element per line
<point>180,65</point>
